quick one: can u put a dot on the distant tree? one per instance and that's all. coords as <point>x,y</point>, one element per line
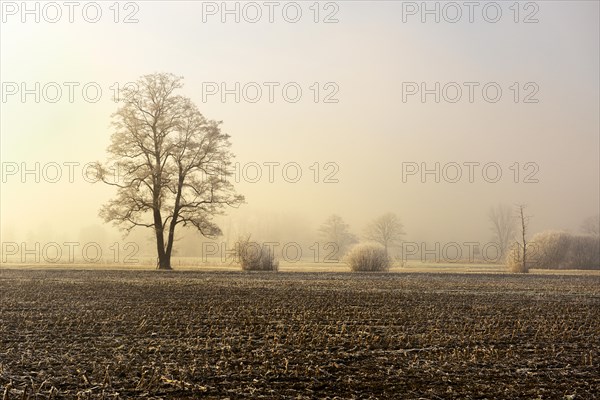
<point>517,261</point>
<point>591,225</point>
<point>550,249</point>
<point>387,230</point>
<point>172,161</point>
<point>503,226</point>
<point>335,230</point>
<point>584,252</point>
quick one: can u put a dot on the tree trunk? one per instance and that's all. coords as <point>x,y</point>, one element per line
<point>173,224</point>
<point>164,259</point>
<point>525,258</point>
<point>523,234</point>
<point>165,263</point>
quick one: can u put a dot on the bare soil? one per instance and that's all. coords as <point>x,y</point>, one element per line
<point>149,334</point>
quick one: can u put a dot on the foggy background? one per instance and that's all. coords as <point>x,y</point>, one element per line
<point>368,134</point>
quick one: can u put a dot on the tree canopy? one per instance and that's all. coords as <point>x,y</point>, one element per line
<point>172,163</point>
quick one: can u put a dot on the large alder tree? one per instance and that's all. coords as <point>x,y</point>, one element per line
<point>172,164</point>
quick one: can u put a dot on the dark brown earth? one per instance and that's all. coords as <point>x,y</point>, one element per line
<point>125,334</point>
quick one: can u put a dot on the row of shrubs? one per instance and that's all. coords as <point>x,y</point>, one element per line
<point>557,250</point>
<point>253,256</point>
<point>546,250</point>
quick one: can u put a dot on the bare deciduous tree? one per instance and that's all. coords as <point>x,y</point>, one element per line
<point>503,227</point>
<point>335,230</point>
<point>172,162</point>
<point>591,225</point>
<point>385,230</point>
<point>584,252</point>
<point>518,262</point>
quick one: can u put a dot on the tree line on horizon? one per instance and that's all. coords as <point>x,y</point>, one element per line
<point>172,158</point>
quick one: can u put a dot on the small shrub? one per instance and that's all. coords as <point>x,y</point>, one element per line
<point>253,256</point>
<point>514,260</point>
<point>368,258</point>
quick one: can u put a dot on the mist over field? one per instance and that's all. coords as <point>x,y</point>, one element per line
<point>299,200</point>
<point>339,116</point>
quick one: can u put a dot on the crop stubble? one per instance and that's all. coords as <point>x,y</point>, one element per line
<point>123,334</point>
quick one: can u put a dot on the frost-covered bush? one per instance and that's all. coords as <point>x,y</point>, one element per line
<point>368,257</point>
<point>556,250</point>
<point>549,249</point>
<point>254,256</point>
<point>514,260</point>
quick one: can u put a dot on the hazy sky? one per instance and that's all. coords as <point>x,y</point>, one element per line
<point>369,58</point>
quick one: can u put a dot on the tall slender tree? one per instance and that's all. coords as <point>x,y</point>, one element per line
<point>522,242</point>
